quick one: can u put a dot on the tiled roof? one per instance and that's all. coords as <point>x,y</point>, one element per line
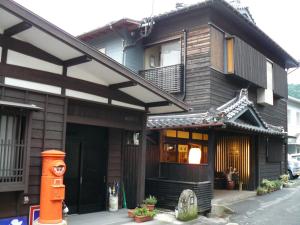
<point>227,114</point>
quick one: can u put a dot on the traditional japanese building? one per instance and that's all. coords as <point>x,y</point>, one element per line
<point>58,93</point>
<point>233,77</point>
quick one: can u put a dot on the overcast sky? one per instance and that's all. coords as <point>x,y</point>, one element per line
<point>279,19</point>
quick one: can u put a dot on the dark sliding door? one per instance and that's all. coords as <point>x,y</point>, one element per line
<point>86,159</point>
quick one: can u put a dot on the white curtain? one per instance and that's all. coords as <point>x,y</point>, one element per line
<point>170,53</point>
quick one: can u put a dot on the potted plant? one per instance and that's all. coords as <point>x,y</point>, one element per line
<point>143,214</point>
<point>130,213</point>
<point>150,202</point>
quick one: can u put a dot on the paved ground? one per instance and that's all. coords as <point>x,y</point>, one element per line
<point>278,208</point>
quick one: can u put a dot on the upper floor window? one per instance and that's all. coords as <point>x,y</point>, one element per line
<point>269,75</point>
<point>165,54</point>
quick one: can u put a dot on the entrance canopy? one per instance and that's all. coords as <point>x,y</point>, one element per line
<point>40,56</point>
<point>239,113</point>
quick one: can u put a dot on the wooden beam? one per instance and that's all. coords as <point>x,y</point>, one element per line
<point>77,61</point>
<point>157,104</point>
<point>28,49</point>
<point>123,85</point>
<point>44,77</point>
<point>18,28</point>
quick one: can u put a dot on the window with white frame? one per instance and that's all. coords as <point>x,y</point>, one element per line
<point>265,95</point>
<point>289,116</point>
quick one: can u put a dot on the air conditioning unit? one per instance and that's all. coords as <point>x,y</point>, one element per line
<point>264,96</point>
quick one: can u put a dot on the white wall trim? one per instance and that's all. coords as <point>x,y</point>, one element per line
<point>118,103</point>
<point>86,96</point>
<point>32,85</point>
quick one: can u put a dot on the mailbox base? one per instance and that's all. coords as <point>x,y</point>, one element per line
<point>64,222</point>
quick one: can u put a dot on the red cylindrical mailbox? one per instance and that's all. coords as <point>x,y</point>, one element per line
<point>52,187</point>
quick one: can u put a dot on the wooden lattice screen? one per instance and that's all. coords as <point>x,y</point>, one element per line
<point>168,78</point>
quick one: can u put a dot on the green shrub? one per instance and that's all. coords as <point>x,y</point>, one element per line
<point>261,190</point>
<point>151,200</point>
<point>284,178</point>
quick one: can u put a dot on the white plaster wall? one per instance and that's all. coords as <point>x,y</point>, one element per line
<point>32,85</point>
<point>293,127</point>
<point>18,59</point>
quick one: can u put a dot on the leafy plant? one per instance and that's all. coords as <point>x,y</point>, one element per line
<point>261,190</point>
<point>284,178</point>
<point>144,212</point>
<point>151,200</point>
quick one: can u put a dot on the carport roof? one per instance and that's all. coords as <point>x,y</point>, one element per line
<point>63,48</point>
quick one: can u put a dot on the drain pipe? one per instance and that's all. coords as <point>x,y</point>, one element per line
<point>184,64</point>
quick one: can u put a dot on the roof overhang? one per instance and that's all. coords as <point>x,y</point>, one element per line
<point>223,8</point>
<point>30,107</point>
<point>116,25</point>
<point>84,62</point>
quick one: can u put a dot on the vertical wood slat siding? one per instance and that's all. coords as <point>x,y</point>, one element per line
<point>197,68</point>
<point>217,49</point>
<point>130,158</point>
<point>267,170</point>
<point>152,159</point>
<point>249,63</point>
<point>280,87</point>
<point>241,161</point>
<point>51,138</point>
<point>114,165</point>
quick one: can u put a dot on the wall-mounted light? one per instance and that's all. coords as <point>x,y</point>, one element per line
<point>195,156</point>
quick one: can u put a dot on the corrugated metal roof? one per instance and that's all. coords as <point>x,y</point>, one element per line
<point>227,114</point>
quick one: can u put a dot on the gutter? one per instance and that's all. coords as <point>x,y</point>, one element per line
<point>184,64</point>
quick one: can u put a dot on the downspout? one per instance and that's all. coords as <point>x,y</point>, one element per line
<point>184,64</point>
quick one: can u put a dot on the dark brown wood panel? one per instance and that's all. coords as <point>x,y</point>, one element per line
<point>217,38</point>
<point>249,63</point>
<point>101,115</point>
<point>46,133</point>
<point>224,88</point>
<point>114,167</point>
<point>280,81</point>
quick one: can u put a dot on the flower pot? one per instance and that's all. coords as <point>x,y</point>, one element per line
<point>130,213</point>
<point>141,219</point>
<point>150,207</point>
<point>230,185</point>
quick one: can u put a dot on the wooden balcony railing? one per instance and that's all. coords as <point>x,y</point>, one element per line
<point>169,78</point>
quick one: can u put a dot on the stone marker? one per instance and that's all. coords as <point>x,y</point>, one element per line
<point>187,206</point>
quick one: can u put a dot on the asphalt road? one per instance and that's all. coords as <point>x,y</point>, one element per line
<point>278,208</point>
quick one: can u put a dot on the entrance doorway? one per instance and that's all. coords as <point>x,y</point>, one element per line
<point>86,160</point>
<point>233,152</point>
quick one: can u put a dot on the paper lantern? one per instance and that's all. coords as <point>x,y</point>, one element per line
<point>195,156</point>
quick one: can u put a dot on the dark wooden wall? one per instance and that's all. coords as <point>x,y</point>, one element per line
<point>224,87</point>
<point>249,63</point>
<point>47,133</point>
<point>268,170</point>
<point>280,81</point>
<point>102,115</point>
<point>114,165</point>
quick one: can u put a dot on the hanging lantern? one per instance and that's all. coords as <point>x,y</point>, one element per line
<point>195,156</point>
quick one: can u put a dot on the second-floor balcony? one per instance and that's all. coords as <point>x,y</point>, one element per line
<point>168,78</point>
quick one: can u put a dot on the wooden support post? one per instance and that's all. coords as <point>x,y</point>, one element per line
<point>211,156</point>
<point>142,163</point>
